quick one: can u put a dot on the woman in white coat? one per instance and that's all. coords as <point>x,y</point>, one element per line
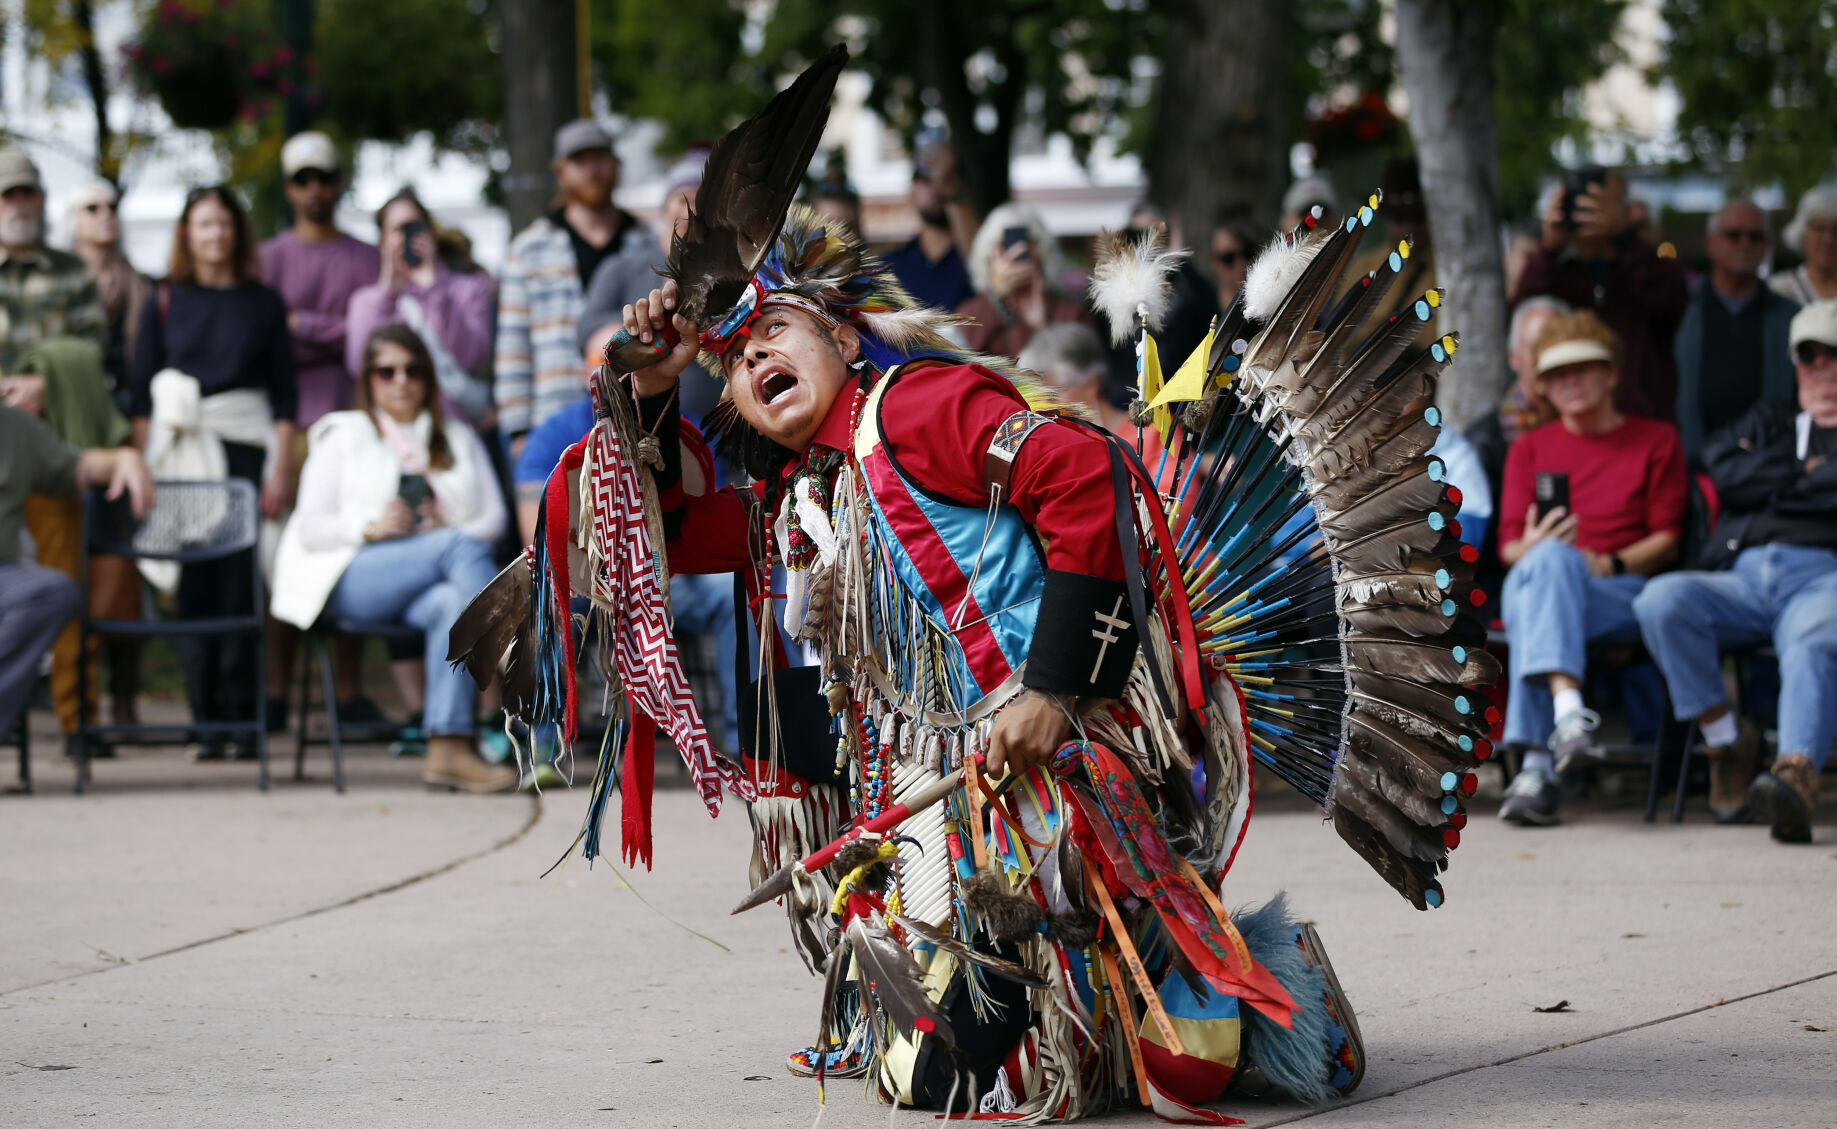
<point>396,511</point>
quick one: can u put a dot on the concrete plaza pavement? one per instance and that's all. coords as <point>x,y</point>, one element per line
<point>177,949</point>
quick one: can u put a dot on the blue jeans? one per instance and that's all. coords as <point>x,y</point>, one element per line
<point>35,603</point>
<point>1783,593</point>
<point>424,581</point>
<point>704,605</point>
<point>1553,609</point>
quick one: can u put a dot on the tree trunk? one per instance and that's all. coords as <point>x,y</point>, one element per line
<point>108,162</point>
<point>539,97</point>
<point>1445,51</point>
<point>982,158</point>
<point>1219,150</point>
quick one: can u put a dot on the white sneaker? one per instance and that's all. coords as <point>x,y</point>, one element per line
<point>1573,743</point>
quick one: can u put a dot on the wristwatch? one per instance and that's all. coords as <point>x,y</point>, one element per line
<point>1620,566</point>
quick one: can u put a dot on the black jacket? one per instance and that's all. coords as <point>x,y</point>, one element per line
<point>1755,465</point>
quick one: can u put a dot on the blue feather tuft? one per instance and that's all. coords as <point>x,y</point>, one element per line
<point>1294,1059</point>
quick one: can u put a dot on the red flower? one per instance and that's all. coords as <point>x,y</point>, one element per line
<point>162,65</point>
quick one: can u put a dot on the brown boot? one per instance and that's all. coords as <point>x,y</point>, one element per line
<point>1785,796</point>
<point>1731,770</point>
<point>452,763</point>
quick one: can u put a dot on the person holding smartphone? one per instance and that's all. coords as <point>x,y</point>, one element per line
<point>1019,275</point>
<point>397,509</point>
<point>1593,504</point>
<point>418,288</point>
<point>1592,257</point>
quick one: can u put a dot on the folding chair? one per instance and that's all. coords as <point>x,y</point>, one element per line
<point>1682,738</point>
<point>190,522</point>
<point>318,647</point>
<point>22,736</point>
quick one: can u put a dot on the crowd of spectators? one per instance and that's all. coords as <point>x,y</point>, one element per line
<point>409,396</point>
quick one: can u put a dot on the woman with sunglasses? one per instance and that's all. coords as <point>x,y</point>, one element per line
<point>397,508</point>
<point>213,343</point>
<point>95,225</point>
<point>1233,244</point>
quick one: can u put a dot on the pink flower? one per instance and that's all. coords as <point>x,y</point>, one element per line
<point>162,65</point>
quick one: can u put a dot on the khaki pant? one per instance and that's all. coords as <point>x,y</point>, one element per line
<point>56,525</point>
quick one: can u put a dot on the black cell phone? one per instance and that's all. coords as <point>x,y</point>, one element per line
<point>414,490</point>
<point>410,230</point>
<point>1552,491</point>
<point>1575,184</point>
<point>1018,234</point>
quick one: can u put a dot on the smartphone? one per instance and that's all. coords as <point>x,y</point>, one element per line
<point>1018,234</point>
<point>414,490</point>
<point>1552,491</point>
<point>1575,184</point>
<point>410,231</point>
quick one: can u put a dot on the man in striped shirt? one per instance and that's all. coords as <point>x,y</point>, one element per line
<point>541,295</point>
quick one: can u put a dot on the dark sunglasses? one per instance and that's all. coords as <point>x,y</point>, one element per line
<point>1812,353</point>
<point>307,177</point>
<point>415,371</point>
<point>1229,258</point>
<point>92,209</point>
<point>1749,234</point>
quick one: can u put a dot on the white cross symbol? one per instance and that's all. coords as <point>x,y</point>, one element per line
<point>1103,634</point>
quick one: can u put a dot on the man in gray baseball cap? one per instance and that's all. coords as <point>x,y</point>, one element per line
<point>545,277</point>
<point>44,292</point>
<point>1775,470</point>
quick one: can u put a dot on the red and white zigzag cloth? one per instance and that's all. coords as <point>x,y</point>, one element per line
<point>628,595</point>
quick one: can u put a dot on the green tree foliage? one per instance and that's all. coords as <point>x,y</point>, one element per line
<point>983,66</point>
<point>1758,83</point>
<point>389,71</point>
<point>1547,51</point>
<point>690,71</point>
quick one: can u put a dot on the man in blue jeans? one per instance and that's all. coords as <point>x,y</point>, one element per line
<point>1776,472</point>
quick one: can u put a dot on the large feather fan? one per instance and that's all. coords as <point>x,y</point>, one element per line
<point>1318,541</point>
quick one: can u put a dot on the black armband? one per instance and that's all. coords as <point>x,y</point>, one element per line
<point>1084,641</point>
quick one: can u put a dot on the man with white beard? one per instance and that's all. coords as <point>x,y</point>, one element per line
<point>43,292</point>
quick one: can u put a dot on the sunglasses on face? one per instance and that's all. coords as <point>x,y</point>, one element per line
<point>21,192</point>
<point>306,178</point>
<point>98,207</point>
<point>1229,259</point>
<point>1812,354</point>
<point>416,371</point>
<point>1744,234</point>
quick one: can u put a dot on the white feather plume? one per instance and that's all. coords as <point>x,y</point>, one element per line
<point>1275,273</point>
<point>1131,273</point>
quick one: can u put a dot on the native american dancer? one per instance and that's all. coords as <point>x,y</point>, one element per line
<point>1011,681</point>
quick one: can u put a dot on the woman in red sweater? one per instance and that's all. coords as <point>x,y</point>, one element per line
<point>1575,570</point>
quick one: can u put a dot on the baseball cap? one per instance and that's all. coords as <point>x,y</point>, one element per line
<point>579,134</point>
<point>1572,352</point>
<point>309,150</point>
<point>1306,192</point>
<point>686,172</point>
<point>1816,322</point>
<point>17,170</point>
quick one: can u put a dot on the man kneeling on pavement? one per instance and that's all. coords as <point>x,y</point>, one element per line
<point>1775,470</point>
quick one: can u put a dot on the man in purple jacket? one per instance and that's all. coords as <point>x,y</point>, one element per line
<point>317,268</point>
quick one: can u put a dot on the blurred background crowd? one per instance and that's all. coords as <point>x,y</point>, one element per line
<point>371,252</point>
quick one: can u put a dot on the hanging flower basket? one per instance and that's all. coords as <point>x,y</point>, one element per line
<point>208,61</point>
